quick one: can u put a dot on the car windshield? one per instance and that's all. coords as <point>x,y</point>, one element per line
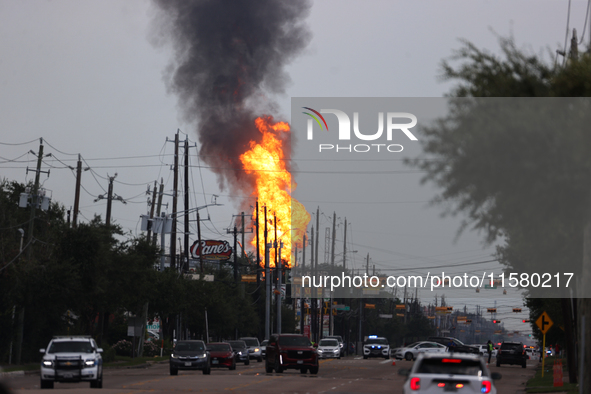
<point>515,346</point>
<point>237,344</point>
<point>294,341</point>
<point>450,366</point>
<point>264,343</point>
<point>70,347</point>
<point>218,347</point>
<point>189,346</point>
<point>376,341</point>
<point>328,342</point>
<point>252,342</point>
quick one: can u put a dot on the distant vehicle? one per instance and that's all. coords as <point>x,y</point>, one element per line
<point>264,348</point>
<point>376,346</point>
<point>329,348</point>
<point>412,351</point>
<point>254,348</point>
<point>290,351</point>
<point>190,355</point>
<point>71,359</point>
<point>512,353</point>
<point>483,349</point>
<point>338,338</point>
<point>221,355</point>
<point>458,346</point>
<point>449,372</point>
<point>240,349</point>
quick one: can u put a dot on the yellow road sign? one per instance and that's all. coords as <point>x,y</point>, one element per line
<point>544,322</point>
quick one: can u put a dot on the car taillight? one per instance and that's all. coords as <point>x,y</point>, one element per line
<point>486,387</point>
<point>415,383</point>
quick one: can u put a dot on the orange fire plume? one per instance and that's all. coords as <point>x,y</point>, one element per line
<point>266,161</point>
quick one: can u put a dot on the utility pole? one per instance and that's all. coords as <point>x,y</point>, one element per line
<point>34,203</point>
<point>243,253</point>
<point>160,193</point>
<point>109,200</point>
<point>267,284</point>
<point>199,240</point>
<point>345,247</point>
<point>77,192</point>
<point>279,273</point>
<point>319,331</point>
<point>110,197</point>
<point>235,255</point>
<point>152,207</point>
<point>186,206</point>
<point>334,226</point>
<point>314,292</point>
<point>174,202</point>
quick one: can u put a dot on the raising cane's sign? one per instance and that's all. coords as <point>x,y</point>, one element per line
<point>211,250</point>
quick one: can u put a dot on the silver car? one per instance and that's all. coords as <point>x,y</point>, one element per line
<point>254,348</point>
<point>413,350</point>
<point>449,372</point>
<point>329,348</point>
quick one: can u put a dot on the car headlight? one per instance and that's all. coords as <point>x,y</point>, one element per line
<point>47,363</point>
<point>257,349</point>
<point>240,353</point>
<point>89,363</point>
<point>174,355</point>
<point>319,350</point>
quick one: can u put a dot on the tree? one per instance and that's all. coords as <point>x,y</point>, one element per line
<point>519,169</point>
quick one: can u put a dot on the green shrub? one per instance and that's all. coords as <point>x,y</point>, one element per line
<point>108,354</point>
<point>123,348</point>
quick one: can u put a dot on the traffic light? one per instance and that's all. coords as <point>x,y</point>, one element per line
<point>496,321</point>
<point>525,320</point>
<point>517,310</point>
<point>468,321</point>
<point>450,308</point>
<point>491,310</point>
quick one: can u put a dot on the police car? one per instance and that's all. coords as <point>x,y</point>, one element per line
<point>72,359</point>
<point>376,346</point>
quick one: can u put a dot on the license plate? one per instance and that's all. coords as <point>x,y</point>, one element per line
<point>68,376</point>
<point>300,361</point>
<point>214,361</point>
<point>187,364</point>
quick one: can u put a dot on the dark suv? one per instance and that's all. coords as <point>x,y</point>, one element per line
<point>290,351</point>
<point>512,353</point>
<point>190,355</point>
<point>458,346</point>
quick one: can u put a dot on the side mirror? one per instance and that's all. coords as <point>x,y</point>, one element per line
<point>42,351</point>
<point>403,372</point>
<point>99,350</point>
<point>496,376</point>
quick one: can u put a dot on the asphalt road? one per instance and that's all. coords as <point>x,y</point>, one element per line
<point>347,375</point>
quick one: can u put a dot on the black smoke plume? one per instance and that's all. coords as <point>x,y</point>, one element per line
<point>229,57</point>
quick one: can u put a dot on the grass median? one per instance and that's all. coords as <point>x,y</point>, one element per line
<point>539,384</point>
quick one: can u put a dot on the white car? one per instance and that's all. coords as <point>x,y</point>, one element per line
<point>412,351</point>
<point>449,372</point>
<point>72,359</point>
<point>329,348</point>
<point>264,348</point>
<point>484,350</point>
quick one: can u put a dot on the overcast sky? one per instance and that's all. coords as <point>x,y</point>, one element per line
<point>87,77</point>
